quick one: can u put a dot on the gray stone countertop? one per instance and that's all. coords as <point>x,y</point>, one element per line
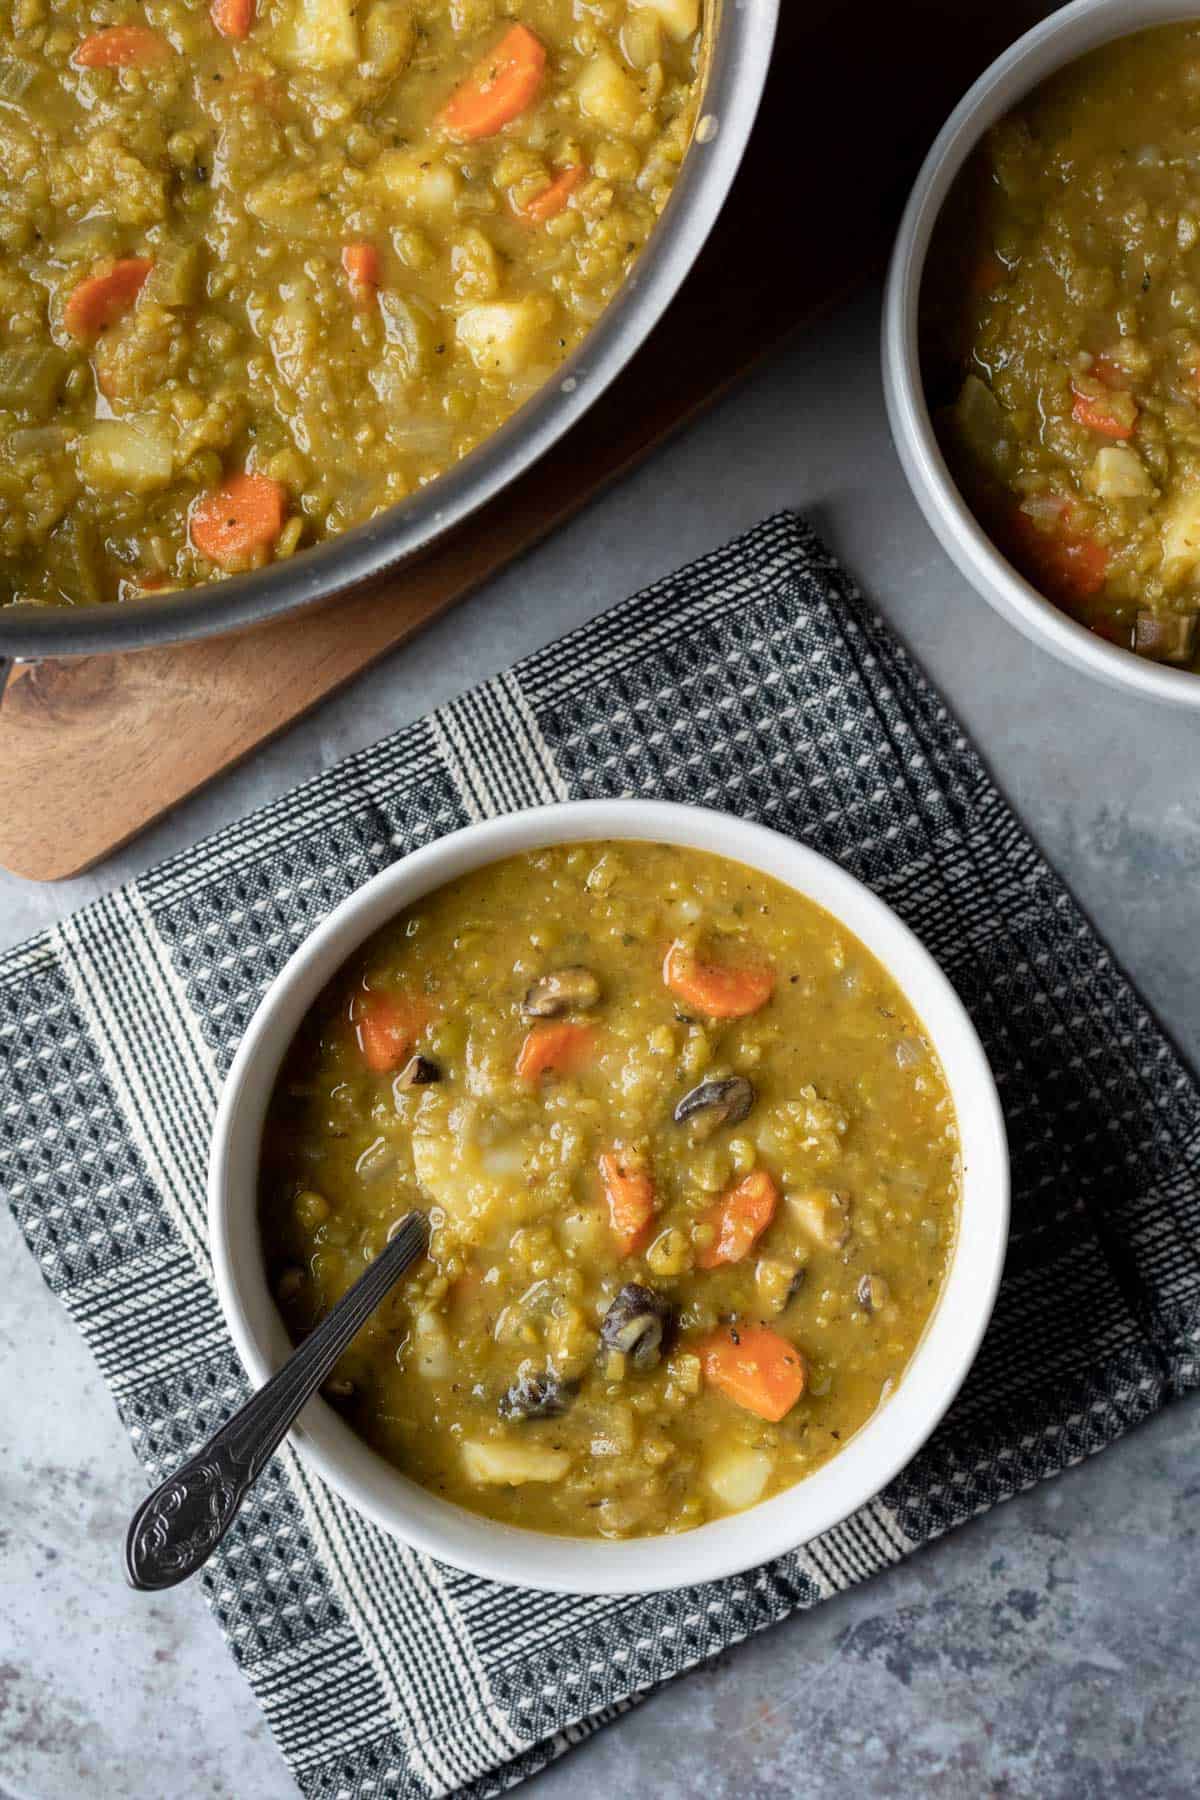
<point>1048,1649</point>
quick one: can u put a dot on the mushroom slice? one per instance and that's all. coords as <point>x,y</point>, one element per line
<point>634,1324</point>
<point>564,990</point>
<point>535,1396</point>
<point>1165,637</point>
<point>872,1292</point>
<point>717,1102</point>
<point>418,1071</point>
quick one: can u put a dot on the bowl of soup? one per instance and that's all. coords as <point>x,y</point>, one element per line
<point>715,1172</point>
<point>1042,336</point>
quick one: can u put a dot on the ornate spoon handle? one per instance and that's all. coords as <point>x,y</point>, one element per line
<point>174,1532</point>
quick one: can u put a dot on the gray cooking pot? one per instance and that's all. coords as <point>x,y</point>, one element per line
<point>741,34</point>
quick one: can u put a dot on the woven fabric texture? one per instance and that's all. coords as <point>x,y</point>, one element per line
<point>757,681</point>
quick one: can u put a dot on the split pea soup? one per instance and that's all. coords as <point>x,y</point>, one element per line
<point>692,1171</point>
<point>1061,340</point>
<point>267,267</point>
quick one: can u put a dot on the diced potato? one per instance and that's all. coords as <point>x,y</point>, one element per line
<point>422,184</point>
<point>461,1174</point>
<point>1181,537</point>
<point>122,458</point>
<point>824,1215</point>
<point>738,1476</point>
<point>432,1356</point>
<point>1118,473</point>
<point>511,1465</point>
<point>502,336</point>
<point>389,36</point>
<point>318,34</point>
<point>607,94</point>
<point>679,17</point>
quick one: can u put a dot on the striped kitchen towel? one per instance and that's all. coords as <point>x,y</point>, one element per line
<point>757,681</point>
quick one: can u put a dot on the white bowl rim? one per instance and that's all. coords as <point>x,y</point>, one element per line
<point>722,1547</point>
<point>1057,41</point>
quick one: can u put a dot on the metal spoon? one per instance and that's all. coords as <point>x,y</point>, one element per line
<point>176,1530</point>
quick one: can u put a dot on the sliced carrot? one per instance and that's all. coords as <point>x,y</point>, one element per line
<point>361,263</point>
<point>498,89</point>
<point>630,1193</point>
<point>739,1218</point>
<point>387,1027</point>
<point>1115,418</point>
<point>1068,566</point>
<point>754,1367</point>
<point>560,1048</point>
<point>1109,371</point>
<point>551,200</point>
<point>240,519</point>
<point>122,47</point>
<point>100,300</point>
<point>233,18</point>
<point>719,993</point>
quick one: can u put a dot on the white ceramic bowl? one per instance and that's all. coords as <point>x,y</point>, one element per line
<point>726,1546</point>
<point>1059,40</point>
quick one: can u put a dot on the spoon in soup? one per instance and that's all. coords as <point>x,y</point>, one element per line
<point>175,1531</point>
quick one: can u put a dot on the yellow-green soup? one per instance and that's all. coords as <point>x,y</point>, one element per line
<point>269,266</point>
<point>692,1168</point>
<point>1061,340</point>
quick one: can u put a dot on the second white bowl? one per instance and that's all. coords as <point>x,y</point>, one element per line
<point>725,1546</point>
<point>1059,40</point>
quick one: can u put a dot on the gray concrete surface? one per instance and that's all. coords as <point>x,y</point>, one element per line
<point>1050,1649</point>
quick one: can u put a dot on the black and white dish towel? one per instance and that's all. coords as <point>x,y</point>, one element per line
<point>757,681</point>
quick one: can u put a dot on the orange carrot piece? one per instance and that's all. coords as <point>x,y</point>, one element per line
<point>233,18</point>
<point>1098,415</point>
<point>1109,371</point>
<point>237,520</point>
<point>1067,565</point>
<point>719,993</point>
<point>100,300</point>
<point>387,1027</point>
<point>122,47</point>
<point>498,89</point>
<point>551,200</point>
<point>754,1367</point>
<point>740,1217</point>
<point>630,1193</point>
<point>361,263</point>
<point>560,1048</point>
